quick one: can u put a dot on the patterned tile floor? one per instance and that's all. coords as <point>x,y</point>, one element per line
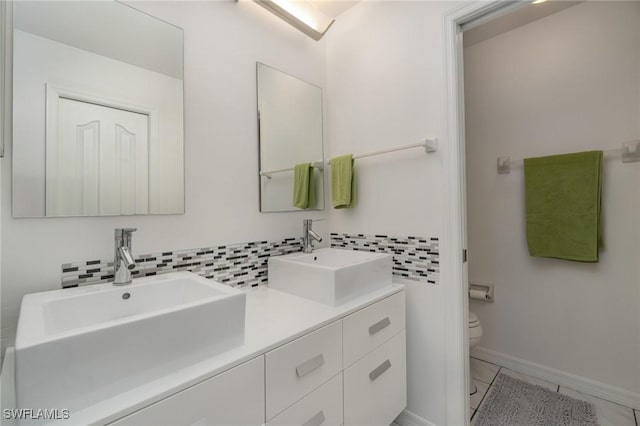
<point>608,413</point>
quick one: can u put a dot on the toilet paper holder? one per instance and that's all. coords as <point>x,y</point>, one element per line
<point>481,292</point>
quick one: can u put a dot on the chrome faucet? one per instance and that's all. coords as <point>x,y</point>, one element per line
<point>123,263</point>
<point>308,235</point>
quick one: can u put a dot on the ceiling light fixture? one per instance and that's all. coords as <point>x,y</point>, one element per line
<point>538,1</point>
<point>301,14</point>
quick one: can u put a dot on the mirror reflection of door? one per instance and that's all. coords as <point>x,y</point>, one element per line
<point>115,58</point>
<point>98,163</point>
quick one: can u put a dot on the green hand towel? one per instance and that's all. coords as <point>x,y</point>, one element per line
<point>563,205</point>
<point>343,192</point>
<point>304,188</point>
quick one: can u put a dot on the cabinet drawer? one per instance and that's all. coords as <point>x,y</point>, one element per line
<point>370,327</point>
<point>375,390</point>
<point>323,407</point>
<point>235,397</point>
<point>297,368</point>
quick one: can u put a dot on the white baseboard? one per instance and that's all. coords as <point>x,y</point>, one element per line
<point>572,381</point>
<point>407,418</point>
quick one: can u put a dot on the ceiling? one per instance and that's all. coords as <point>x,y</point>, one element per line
<point>502,24</point>
<point>515,19</point>
<point>333,8</point>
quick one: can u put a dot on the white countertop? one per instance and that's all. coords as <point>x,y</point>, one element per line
<point>273,318</point>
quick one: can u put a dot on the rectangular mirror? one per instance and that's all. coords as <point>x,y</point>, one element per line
<point>97,111</point>
<point>290,132</point>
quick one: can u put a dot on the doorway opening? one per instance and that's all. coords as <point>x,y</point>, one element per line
<point>533,101</point>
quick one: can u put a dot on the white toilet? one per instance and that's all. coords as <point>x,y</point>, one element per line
<point>475,334</point>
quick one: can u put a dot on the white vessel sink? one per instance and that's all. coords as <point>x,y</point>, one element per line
<point>330,276</point>
<point>76,347</point>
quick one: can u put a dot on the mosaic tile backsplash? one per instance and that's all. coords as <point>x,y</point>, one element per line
<point>237,265</point>
<point>245,264</point>
<point>414,258</point>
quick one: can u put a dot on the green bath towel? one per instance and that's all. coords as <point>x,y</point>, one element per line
<point>563,203</point>
<point>343,192</point>
<point>304,187</point>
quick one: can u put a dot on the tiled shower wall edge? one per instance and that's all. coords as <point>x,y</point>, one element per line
<point>237,265</point>
<point>414,258</point>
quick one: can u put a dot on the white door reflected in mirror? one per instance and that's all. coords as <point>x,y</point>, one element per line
<point>98,163</point>
<point>97,121</point>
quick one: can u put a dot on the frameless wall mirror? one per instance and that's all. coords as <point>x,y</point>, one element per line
<point>97,111</point>
<point>290,133</point>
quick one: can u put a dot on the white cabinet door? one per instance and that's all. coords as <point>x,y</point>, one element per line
<point>235,397</point>
<point>97,161</point>
<point>375,388</point>
<point>322,407</point>
<point>295,369</point>
<point>370,327</point>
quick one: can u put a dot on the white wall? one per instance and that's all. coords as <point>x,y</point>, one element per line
<point>39,62</point>
<point>223,40</point>
<point>384,86</point>
<point>569,82</point>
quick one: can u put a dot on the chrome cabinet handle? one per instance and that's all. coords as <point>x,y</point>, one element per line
<point>316,420</point>
<point>377,372</point>
<point>383,323</point>
<point>308,366</point>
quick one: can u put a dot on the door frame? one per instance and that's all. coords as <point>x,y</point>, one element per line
<point>454,243</point>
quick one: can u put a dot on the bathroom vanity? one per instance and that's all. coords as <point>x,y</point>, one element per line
<point>357,361</point>
<point>302,362</point>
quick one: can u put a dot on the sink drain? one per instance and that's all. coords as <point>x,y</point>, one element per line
<point>125,296</point>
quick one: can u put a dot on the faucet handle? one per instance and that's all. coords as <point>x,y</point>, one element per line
<point>124,232</point>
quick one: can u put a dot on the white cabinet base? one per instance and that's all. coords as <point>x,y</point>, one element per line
<point>375,388</point>
<point>321,407</point>
<point>295,369</point>
<point>370,327</point>
<point>305,382</point>
<point>235,397</point>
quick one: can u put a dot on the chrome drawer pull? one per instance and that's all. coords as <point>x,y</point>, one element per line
<point>308,366</point>
<point>377,372</point>
<point>316,420</point>
<point>383,323</point>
